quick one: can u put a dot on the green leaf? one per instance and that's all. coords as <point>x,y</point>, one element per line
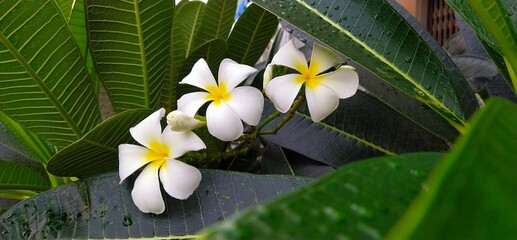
<point>97,151</point>
<point>130,47</point>
<point>411,108</point>
<point>361,127</point>
<point>33,146</point>
<point>359,201</point>
<point>381,40</point>
<point>45,86</point>
<point>17,176</point>
<point>251,35</point>
<point>494,16</point>
<point>99,207</point>
<point>187,19</point>
<point>495,22</point>
<point>217,21</point>
<point>471,193</point>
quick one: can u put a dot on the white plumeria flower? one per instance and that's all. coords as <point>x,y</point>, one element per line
<point>229,104</point>
<point>323,91</point>
<point>158,154</point>
<point>180,122</point>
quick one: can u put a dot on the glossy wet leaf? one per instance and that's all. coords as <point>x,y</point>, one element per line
<point>17,176</point>
<point>471,193</point>
<point>381,40</point>
<point>407,106</point>
<point>97,151</point>
<point>360,128</point>
<point>98,207</point>
<point>45,85</point>
<point>130,47</point>
<point>359,201</point>
<point>251,35</point>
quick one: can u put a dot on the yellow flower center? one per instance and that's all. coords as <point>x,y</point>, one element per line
<point>159,152</point>
<point>218,94</point>
<point>308,75</point>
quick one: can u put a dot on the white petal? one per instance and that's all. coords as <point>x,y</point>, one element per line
<point>268,74</point>
<point>149,129</point>
<point>321,102</point>
<point>179,179</point>
<point>200,75</point>
<point>181,142</point>
<point>289,56</point>
<point>248,103</point>
<point>146,192</point>
<point>323,58</point>
<point>181,122</point>
<point>131,158</point>
<point>191,102</point>
<point>283,90</point>
<point>222,122</point>
<point>344,82</point>
<point>232,73</point>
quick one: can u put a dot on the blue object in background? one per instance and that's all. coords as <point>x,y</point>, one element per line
<point>241,5</point>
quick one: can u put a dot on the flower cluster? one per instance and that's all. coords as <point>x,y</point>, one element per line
<point>229,107</point>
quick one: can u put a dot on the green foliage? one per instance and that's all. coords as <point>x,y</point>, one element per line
<point>97,151</point>
<point>57,57</point>
<point>379,39</point>
<point>495,22</point>
<point>340,205</point>
<point>471,193</point>
<point>99,207</point>
<point>17,176</point>
<point>45,85</point>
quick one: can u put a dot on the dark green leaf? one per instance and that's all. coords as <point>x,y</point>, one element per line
<point>23,142</point>
<point>97,151</point>
<point>251,35</point>
<point>382,41</point>
<point>217,21</point>
<point>45,85</point>
<point>471,193</point>
<point>17,176</point>
<point>411,108</point>
<point>359,201</point>
<point>495,22</point>
<point>361,127</point>
<point>130,46</point>
<point>189,18</point>
<point>98,207</point>
<point>177,56</point>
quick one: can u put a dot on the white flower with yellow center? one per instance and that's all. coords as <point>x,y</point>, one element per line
<point>229,104</point>
<point>322,89</point>
<point>158,154</point>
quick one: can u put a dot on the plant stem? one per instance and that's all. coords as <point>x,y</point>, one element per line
<point>17,194</point>
<point>290,114</point>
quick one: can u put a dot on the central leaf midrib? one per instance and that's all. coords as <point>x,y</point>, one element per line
<point>380,57</point>
<point>145,75</point>
<point>59,107</point>
<point>349,135</point>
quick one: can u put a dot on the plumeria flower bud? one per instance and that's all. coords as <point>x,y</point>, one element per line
<point>323,89</point>
<point>180,122</point>
<point>229,104</point>
<point>158,154</point>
